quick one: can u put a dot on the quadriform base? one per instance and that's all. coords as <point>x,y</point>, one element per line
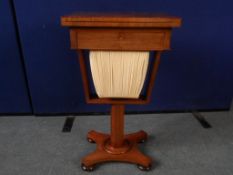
<point>128,152</point>
<point>117,146</point>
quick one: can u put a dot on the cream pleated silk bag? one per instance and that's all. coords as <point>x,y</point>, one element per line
<point>118,74</point>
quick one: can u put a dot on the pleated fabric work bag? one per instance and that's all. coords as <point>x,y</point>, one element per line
<point>118,74</point>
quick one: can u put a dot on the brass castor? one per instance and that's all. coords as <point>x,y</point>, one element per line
<point>144,168</point>
<point>90,140</point>
<point>87,168</point>
<point>142,141</point>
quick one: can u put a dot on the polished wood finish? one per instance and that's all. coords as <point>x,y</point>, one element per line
<point>124,32</point>
<point>117,122</point>
<point>153,75</point>
<point>83,70</point>
<point>129,20</point>
<point>121,39</point>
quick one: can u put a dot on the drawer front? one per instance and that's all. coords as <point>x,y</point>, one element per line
<point>120,39</point>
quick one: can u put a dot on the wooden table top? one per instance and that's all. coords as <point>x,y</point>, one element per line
<point>130,19</point>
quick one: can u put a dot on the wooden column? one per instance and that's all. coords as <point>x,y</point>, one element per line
<point>117,125</point>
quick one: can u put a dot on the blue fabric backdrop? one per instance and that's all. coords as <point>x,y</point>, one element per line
<point>196,74</point>
<point>13,93</point>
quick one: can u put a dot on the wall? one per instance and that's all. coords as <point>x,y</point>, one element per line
<point>13,90</point>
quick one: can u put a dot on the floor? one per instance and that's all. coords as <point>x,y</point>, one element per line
<point>178,144</point>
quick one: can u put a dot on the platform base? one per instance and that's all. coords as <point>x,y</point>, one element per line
<point>128,152</point>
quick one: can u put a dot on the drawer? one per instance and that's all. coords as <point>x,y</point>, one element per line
<point>120,39</point>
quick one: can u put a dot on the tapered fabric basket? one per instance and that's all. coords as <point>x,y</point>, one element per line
<point>118,74</point>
